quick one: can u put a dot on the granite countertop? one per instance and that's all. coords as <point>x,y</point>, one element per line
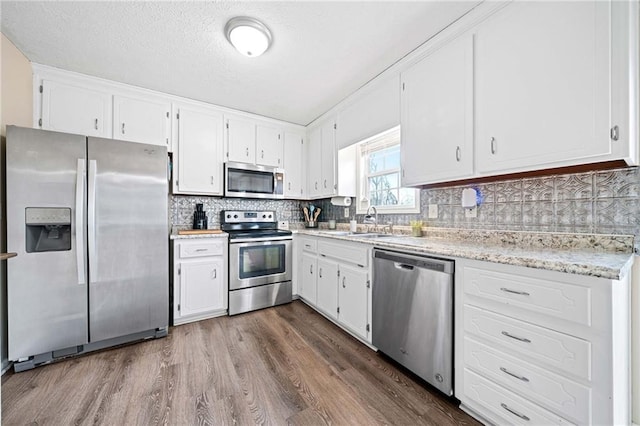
<point>176,236</point>
<point>596,255</point>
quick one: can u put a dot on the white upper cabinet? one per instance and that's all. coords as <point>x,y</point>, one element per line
<point>254,142</point>
<point>293,164</point>
<point>241,140</point>
<point>437,115</point>
<point>269,146</point>
<point>138,119</point>
<point>321,159</point>
<point>542,85</point>
<point>198,157</point>
<point>75,109</point>
<point>328,159</point>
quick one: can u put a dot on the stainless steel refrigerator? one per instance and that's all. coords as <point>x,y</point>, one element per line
<point>88,219</point>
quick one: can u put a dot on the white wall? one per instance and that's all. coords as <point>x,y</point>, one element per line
<point>16,87</point>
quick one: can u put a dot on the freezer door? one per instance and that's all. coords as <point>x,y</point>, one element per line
<point>127,238</point>
<point>46,217</point>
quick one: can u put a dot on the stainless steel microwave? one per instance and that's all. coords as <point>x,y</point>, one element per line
<point>252,181</point>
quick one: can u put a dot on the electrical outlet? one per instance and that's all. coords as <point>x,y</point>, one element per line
<point>470,213</point>
<point>433,211</point>
<point>346,212</point>
<point>283,224</point>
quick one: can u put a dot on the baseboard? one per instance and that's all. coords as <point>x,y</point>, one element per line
<point>6,368</point>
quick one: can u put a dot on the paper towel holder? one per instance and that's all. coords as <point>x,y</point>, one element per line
<point>341,201</point>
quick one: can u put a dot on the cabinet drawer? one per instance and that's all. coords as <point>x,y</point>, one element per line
<point>309,244</point>
<point>507,405</point>
<point>543,346</point>
<point>551,390</point>
<point>557,299</point>
<point>357,254</point>
<point>201,248</point>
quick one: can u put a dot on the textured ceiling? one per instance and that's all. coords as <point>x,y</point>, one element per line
<point>321,53</point>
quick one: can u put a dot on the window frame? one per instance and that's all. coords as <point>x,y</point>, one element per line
<point>362,190</point>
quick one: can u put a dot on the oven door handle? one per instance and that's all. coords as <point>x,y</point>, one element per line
<point>259,240</point>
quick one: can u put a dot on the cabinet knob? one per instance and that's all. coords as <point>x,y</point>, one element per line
<point>493,145</point>
<point>458,154</point>
<point>95,125</point>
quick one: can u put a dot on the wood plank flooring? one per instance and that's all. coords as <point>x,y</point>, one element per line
<point>283,365</point>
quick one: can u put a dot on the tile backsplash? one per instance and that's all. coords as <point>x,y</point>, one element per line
<point>605,202</point>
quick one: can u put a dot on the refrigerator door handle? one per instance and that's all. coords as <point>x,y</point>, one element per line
<point>91,211</point>
<point>80,248</point>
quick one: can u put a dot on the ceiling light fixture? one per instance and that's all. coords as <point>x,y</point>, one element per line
<point>249,36</point>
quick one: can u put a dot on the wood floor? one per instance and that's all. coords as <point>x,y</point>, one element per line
<point>284,365</point>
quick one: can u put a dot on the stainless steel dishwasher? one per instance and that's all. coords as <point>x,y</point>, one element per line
<point>413,314</point>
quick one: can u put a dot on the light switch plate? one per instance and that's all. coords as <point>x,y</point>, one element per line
<point>433,211</point>
<point>346,212</point>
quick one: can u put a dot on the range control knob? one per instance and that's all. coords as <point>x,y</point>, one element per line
<point>269,216</point>
<point>228,216</point>
<point>235,216</point>
<point>264,216</point>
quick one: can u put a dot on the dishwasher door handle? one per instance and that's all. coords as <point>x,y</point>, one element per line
<point>404,266</point>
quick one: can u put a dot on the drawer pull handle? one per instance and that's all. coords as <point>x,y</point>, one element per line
<point>521,339</point>
<point>214,274</point>
<point>521,293</point>
<point>514,412</point>
<point>202,249</point>
<point>504,370</point>
<point>343,284</point>
<point>320,272</point>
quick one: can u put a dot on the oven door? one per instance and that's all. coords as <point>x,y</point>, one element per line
<point>255,263</point>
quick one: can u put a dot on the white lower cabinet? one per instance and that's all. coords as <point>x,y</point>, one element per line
<point>541,347</point>
<point>335,279</point>
<point>327,300</point>
<point>199,279</point>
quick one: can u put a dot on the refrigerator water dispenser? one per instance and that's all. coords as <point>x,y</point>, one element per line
<point>48,229</point>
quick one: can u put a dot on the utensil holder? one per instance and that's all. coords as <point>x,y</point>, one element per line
<point>311,224</point>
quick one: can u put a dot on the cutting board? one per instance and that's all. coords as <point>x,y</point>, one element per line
<point>199,231</point>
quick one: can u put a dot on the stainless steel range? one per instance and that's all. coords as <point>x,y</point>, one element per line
<point>259,260</point>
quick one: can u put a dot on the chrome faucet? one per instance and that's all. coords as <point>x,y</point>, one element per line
<point>369,219</point>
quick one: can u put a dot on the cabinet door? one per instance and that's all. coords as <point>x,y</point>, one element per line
<point>293,160</point>
<point>308,283</point>
<point>199,151</point>
<point>328,160</point>
<point>328,287</point>
<point>202,286</point>
<point>437,116</point>
<point>141,120</point>
<point>353,299</point>
<point>241,140</point>
<point>314,159</point>
<point>268,146</point>
<point>74,109</point>
<point>542,85</point>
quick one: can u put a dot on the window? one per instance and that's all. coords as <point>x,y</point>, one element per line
<point>379,172</point>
